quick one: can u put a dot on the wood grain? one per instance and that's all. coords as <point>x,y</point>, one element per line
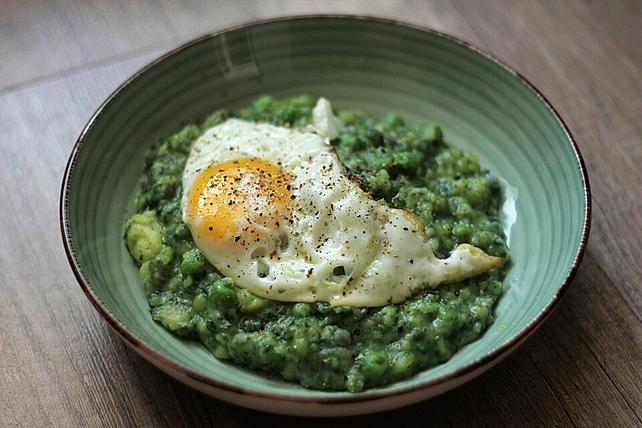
<point>62,366</point>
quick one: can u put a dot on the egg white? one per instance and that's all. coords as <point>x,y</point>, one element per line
<point>338,245</point>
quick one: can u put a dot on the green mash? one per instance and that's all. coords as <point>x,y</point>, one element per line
<point>320,347</point>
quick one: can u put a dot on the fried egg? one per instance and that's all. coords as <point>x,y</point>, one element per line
<point>273,208</point>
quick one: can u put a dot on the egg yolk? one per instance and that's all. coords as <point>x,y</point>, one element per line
<point>236,202</point>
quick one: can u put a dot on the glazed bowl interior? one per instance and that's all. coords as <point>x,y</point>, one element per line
<point>374,65</point>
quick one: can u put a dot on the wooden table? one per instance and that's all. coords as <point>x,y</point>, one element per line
<point>61,365</point>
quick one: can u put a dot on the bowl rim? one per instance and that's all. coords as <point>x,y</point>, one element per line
<point>171,366</point>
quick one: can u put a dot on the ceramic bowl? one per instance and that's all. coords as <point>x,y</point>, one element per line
<point>373,64</point>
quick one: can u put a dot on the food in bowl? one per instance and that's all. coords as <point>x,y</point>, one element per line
<point>343,252</point>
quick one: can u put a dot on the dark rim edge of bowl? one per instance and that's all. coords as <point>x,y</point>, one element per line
<point>173,366</point>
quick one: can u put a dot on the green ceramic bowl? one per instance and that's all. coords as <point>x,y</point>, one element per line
<point>368,63</point>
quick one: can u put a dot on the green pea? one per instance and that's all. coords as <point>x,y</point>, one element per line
<point>468,164</point>
<point>478,191</point>
<point>434,244</point>
<point>349,117</point>
<point>262,104</point>
<point>406,160</point>
<point>479,311</point>
<point>323,308</point>
<point>192,263</point>
<point>465,294</point>
<point>482,239</point>
<point>430,308</point>
<point>221,352</point>
<point>221,293</point>
<point>389,314</point>
<point>429,132</point>
<point>165,256</point>
<point>290,372</point>
<point>355,382</point>
<point>181,231</point>
<point>199,303</point>
<point>373,365</point>
<point>401,363</point>
<point>303,101</point>
<point>268,351</point>
<point>301,309</point>
<point>186,283</point>
<point>371,135</point>
<point>443,347</point>
<point>183,140</point>
<point>249,303</point>
<point>379,183</point>
<point>286,115</point>
<point>392,120</point>
<point>169,210</point>
<point>460,208</point>
<point>350,141</point>
<point>379,161</point>
<point>200,326</point>
<point>462,231</point>
<point>493,287</point>
<point>342,337</point>
<point>301,346</point>
<point>214,119</point>
<point>328,332</point>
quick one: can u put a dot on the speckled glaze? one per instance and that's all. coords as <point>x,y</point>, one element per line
<point>369,63</point>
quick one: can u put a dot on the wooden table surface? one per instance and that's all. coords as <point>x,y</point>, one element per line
<point>60,364</point>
